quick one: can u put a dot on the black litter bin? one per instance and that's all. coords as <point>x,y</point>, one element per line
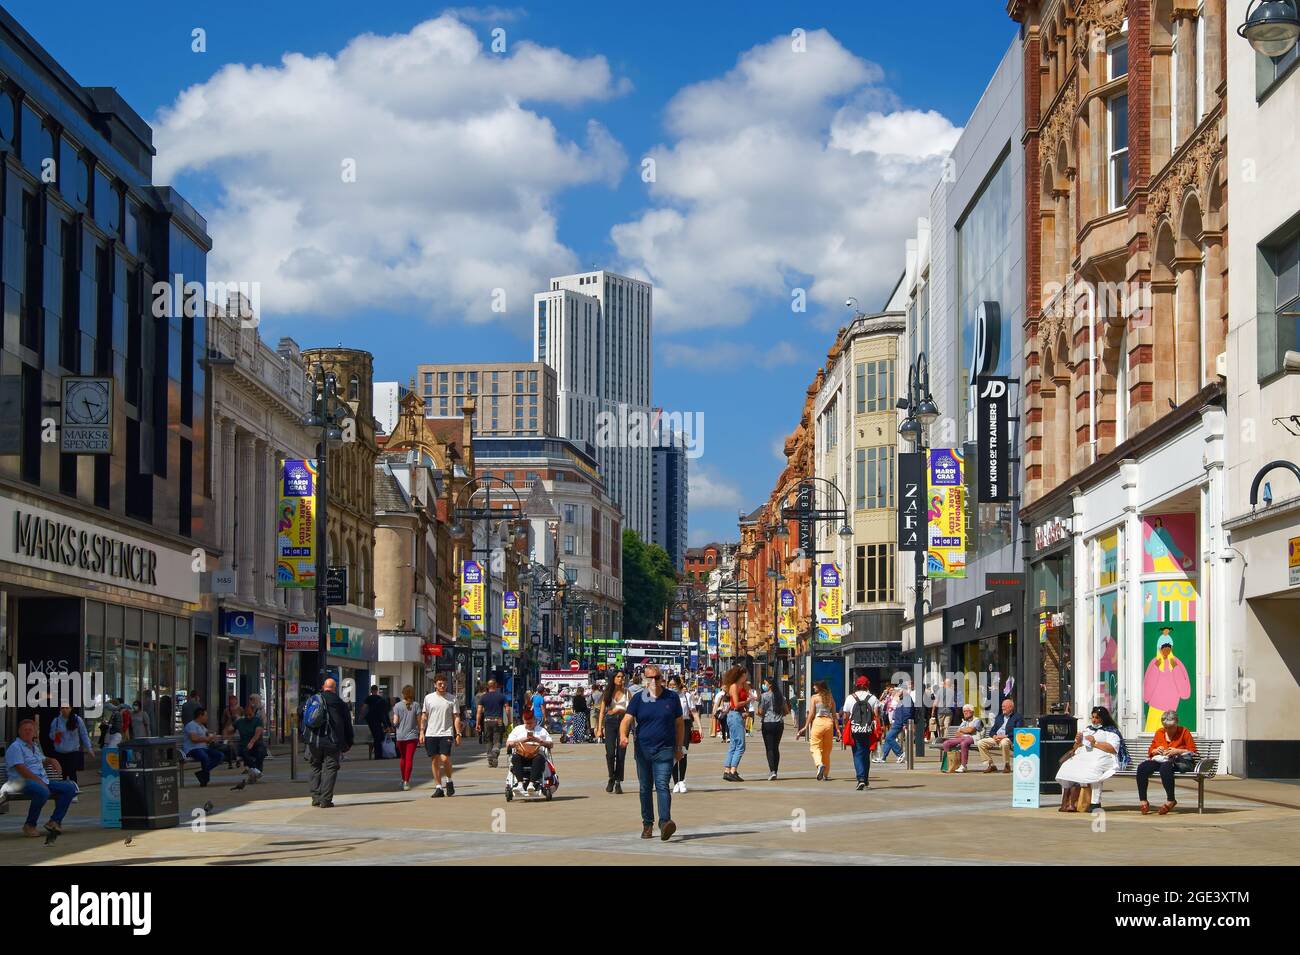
<point>1057,736</point>
<point>150,779</point>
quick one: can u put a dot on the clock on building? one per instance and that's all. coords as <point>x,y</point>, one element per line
<point>87,416</point>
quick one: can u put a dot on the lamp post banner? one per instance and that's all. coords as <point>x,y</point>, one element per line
<point>510,621</point>
<point>726,638</point>
<point>295,526</point>
<point>711,626</point>
<point>829,603</point>
<point>471,599</point>
<point>946,514</point>
<point>787,628</point>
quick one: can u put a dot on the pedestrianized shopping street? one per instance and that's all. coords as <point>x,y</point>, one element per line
<point>917,816</point>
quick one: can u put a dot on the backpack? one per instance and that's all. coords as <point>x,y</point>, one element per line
<point>315,714</point>
<point>862,715</point>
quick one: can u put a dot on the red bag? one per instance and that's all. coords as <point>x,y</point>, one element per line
<point>876,733</point>
<point>846,735</point>
<point>695,736</point>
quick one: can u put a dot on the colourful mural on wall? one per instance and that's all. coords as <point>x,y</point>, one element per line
<point>1169,544</point>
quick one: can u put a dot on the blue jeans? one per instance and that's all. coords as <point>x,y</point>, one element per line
<point>891,741</point>
<point>61,790</point>
<point>862,756</point>
<point>654,773</point>
<point>735,738</point>
<point>209,759</point>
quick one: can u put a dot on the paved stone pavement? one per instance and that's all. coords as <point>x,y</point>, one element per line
<point>917,816</point>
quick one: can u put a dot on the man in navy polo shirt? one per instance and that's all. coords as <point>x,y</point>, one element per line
<point>657,712</point>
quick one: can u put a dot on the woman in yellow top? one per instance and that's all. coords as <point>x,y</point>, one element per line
<point>821,728</point>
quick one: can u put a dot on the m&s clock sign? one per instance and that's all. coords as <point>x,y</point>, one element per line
<point>87,426</point>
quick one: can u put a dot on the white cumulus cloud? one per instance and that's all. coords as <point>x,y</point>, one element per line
<point>793,170</point>
<point>455,173</point>
<point>707,489</point>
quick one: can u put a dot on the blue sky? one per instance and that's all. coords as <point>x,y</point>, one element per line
<point>781,163</point>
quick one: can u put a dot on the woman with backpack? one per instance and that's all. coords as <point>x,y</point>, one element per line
<point>773,708</point>
<point>71,742</point>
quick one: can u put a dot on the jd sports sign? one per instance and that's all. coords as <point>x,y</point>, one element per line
<point>994,473</point>
<point>911,501</point>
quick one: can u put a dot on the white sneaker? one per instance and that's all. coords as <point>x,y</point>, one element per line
<point>901,760</point>
<point>681,787</point>
<point>405,785</point>
<point>961,769</point>
<point>771,776</point>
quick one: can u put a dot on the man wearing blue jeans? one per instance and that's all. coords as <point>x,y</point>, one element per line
<point>24,760</point>
<point>902,714</point>
<point>660,733</point>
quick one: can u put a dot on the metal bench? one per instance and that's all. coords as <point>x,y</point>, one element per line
<point>55,773</point>
<point>1206,764</point>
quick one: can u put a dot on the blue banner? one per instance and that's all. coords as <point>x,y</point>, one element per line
<point>1026,770</point>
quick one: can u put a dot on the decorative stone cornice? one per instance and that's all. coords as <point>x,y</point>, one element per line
<point>1058,126</point>
<point>1191,168</point>
<point>1105,15</point>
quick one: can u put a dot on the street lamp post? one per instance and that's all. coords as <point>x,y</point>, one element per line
<point>921,413</point>
<point>815,515</point>
<point>328,413</point>
<point>1272,27</point>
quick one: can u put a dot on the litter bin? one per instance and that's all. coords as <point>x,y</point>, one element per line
<point>150,781</point>
<point>1057,736</point>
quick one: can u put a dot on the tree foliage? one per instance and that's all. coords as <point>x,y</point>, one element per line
<point>648,582</point>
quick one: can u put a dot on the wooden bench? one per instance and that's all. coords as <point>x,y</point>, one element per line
<point>1205,764</point>
<point>55,773</point>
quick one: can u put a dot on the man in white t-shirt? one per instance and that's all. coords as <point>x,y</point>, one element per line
<point>528,744</point>
<point>440,729</point>
<point>719,723</point>
<point>860,708</point>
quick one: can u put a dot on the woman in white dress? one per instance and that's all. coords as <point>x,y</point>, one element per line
<point>1093,759</point>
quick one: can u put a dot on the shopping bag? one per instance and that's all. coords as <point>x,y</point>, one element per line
<point>695,736</point>
<point>390,748</point>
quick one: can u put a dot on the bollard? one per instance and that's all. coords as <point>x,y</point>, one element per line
<point>293,747</point>
<point>911,750</point>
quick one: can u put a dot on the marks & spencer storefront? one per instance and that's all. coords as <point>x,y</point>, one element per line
<point>96,597</point>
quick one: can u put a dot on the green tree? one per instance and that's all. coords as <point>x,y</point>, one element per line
<point>648,582</point>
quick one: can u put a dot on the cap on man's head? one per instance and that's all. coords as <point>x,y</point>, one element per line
<point>862,683</point>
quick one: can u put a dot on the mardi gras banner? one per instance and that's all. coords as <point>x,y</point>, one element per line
<point>726,639</point>
<point>471,598</point>
<point>829,604</point>
<point>510,621</point>
<point>946,513</point>
<point>295,526</point>
<point>787,632</point>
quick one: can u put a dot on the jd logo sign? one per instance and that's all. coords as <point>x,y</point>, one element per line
<point>992,409</point>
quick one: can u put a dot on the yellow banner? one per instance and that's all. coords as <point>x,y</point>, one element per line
<point>829,603</point>
<point>947,515</point>
<point>787,624</point>
<point>295,526</point>
<point>510,621</point>
<point>726,639</point>
<point>471,599</point>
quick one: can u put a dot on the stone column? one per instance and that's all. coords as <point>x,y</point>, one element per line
<point>1187,333</point>
<point>262,508</point>
<point>226,462</point>
<point>1185,26</point>
<point>246,532</point>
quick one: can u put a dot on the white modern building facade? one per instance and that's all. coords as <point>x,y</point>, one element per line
<point>594,329</point>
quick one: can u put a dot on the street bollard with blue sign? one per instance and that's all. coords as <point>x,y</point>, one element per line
<point>1025,767</point>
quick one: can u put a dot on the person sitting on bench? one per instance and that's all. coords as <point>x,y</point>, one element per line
<point>1172,751</point>
<point>528,744</point>
<point>967,733</point>
<point>24,759</point>
<point>195,745</point>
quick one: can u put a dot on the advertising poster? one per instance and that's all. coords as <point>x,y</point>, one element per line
<point>1108,557</point>
<point>1169,544</point>
<point>786,628</point>
<point>110,789</point>
<point>1109,627</point>
<point>829,604</point>
<point>1025,767</point>
<point>1170,651</point>
<point>510,621</point>
<point>946,515</point>
<point>726,639</point>
<point>295,526</point>
<point>471,599</point>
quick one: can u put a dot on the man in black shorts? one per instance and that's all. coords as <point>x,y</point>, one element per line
<point>440,729</point>
<point>490,718</point>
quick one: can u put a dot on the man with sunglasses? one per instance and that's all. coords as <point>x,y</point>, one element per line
<point>660,733</point>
